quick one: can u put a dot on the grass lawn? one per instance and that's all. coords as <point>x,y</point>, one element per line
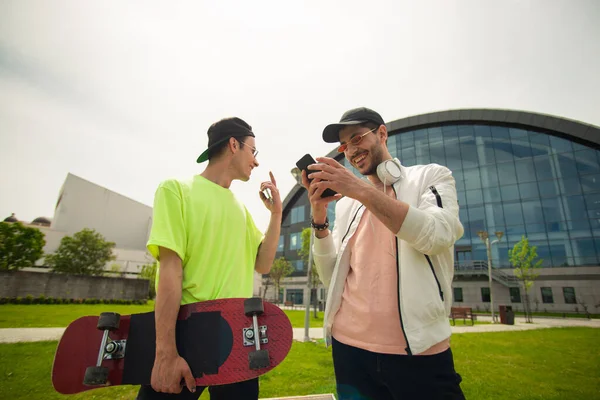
<point>549,364</point>
<point>61,315</point>
<point>548,314</point>
<point>297,318</point>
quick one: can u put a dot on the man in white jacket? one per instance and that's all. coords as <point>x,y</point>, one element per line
<point>388,265</point>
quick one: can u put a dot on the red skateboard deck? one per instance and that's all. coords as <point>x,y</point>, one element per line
<point>215,337</point>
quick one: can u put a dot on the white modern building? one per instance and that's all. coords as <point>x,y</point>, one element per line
<point>82,204</point>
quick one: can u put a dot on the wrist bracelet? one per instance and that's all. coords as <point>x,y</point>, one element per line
<point>319,227</point>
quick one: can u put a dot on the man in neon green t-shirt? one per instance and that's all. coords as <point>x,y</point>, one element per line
<point>208,247</point>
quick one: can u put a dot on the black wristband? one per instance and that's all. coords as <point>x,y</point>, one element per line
<point>319,227</point>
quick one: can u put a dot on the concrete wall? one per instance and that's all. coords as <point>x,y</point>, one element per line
<point>585,281</point>
<point>130,261</point>
<point>23,283</point>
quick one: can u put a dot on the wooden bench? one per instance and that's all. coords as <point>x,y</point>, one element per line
<point>462,312</point>
<point>289,304</point>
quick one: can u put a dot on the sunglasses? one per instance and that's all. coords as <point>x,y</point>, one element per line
<point>355,141</point>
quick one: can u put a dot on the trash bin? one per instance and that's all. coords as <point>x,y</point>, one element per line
<point>507,315</point>
<point>510,316</point>
<point>321,305</point>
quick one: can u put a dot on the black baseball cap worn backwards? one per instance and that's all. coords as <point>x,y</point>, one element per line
<point>222,130</point>
<point>351,117</point>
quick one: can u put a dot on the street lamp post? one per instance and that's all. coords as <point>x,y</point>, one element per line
<point>483,235</point>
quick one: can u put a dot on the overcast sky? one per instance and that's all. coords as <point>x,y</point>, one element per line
<point>121,93</point>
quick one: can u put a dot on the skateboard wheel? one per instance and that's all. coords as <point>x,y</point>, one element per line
<point>259,359</point>
<point>95,376</point>
<point>253,305</point>
<point>109,321</point>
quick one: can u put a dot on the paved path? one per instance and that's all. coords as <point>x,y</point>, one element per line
<point>13,335</point>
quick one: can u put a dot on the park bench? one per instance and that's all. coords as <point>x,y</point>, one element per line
<point>462,312</point>
<point>289,304</point>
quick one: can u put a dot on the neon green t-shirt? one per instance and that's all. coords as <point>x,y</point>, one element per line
<point>213,234</point>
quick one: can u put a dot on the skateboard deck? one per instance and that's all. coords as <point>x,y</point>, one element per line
<point>215,337</point>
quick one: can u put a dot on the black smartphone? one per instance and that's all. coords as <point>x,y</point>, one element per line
<point>303,164</point>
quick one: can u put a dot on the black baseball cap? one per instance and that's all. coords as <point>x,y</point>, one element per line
<point>351,117</point>
<point>223,130</point>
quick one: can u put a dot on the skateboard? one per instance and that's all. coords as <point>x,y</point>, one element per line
<point>223,341</point>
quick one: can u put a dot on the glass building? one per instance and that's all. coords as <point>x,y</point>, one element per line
<point>519,173</point>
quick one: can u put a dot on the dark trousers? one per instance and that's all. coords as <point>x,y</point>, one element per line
<point>247,390</point>
<point>362,375</point>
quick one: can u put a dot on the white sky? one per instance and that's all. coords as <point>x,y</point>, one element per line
<point>122,93</point>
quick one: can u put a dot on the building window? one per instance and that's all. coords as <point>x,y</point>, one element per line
<point>280,243</point>
<point>547,297</point>
<point>297,214</point>
<point>298,265</point>
<point>485,294</point>
<point>515,295</point>
<point>295,241</point>
<point>569,294</point>
<point>296,296</point>
<point>458,295</point>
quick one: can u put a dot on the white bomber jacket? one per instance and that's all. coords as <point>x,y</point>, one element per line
<point>425,254</point>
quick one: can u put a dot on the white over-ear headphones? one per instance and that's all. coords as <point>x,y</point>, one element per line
<point>389,171</point>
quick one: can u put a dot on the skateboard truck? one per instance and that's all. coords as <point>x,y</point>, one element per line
<point>249,335</point>
<point>260,357</point>
<point>109,350</point>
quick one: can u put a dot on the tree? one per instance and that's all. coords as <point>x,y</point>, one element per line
<point>313,276</point>
<point>20,246</point>
<point>583,303</point>
<point>267,282</point>
<point>149,272</point>
<point>280,269</point>
<point>522,257</point>
<point>84,253</point>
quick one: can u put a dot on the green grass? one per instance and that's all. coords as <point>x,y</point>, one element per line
<point>61,315</point>
<point>460,322</point>
<point>549,364</point>
<point>297,318</point>
<point>548,314</point>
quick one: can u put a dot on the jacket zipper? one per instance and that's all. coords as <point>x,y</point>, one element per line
<point>407,349</point>
<point>438,199</point>
<point>435,276</point>
<point>351,222</point>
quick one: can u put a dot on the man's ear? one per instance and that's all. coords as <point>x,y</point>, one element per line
<point>382,132</point>
<point>233,145</point>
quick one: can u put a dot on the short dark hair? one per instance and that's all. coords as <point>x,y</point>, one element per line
<point>220,148</point>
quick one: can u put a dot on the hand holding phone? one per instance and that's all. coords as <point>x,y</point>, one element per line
<point>303,164</point>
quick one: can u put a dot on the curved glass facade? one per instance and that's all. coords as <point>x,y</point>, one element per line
<point>520,182</point>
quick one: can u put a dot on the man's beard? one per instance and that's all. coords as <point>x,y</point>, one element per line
<point>376,159</point>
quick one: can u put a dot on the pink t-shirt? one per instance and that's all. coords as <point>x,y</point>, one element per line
<point>369,317</point>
